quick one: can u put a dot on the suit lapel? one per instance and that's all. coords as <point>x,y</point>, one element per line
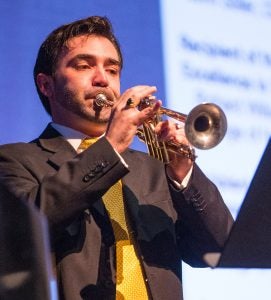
<point>150,209</point>
<point>133,179</point>
<point>53,142</point>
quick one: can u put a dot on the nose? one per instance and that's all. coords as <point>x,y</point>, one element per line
<point>100,78</point>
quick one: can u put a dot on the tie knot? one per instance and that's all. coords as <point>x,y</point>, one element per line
<point>87,142</point>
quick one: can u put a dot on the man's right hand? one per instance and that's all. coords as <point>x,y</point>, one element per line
<point>125,119</point>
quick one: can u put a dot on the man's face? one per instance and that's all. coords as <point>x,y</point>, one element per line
<point>89,64</point>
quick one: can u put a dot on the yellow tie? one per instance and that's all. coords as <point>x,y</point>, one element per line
<point>130,284</point>
<point>87,142</point>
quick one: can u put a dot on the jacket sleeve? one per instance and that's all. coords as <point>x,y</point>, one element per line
<point>61,192</point>
<point>204,221</point>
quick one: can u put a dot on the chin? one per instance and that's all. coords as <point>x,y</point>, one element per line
<point>102,116</point>
<point>98,119</point>
<point>96,116</point>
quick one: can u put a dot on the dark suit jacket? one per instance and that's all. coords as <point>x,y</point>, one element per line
<point>169,225</point>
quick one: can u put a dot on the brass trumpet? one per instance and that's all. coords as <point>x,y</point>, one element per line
<point>205,127</point>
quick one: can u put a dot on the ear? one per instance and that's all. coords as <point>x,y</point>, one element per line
<point>45,84</point>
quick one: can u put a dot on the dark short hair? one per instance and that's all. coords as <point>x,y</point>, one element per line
<point>52,47</point>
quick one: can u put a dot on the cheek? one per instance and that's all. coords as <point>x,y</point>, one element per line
<point>69,77</point>
<point>115,85</point>
<point>74,84</point>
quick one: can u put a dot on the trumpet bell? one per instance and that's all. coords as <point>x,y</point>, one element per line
<point>205,126</point>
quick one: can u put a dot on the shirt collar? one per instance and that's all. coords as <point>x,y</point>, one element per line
<point>71,135</point>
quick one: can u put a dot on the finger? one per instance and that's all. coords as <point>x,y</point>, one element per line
<point>179,126</point>
<point>133,96</point>
<point>141,92</point>
<point>148,113</point>
<point>130,103</point>
<point>165,130</point>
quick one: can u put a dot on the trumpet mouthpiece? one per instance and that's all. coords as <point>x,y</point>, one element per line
<point>103,100</point>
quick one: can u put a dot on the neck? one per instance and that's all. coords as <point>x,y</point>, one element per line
<point>89,128</point>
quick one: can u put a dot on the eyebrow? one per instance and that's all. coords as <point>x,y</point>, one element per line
<point>108,61</point>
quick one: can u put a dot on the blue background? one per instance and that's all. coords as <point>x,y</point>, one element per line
<point>25,24</point>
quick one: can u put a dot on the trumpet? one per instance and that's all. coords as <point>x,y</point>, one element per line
<point>205,127</point>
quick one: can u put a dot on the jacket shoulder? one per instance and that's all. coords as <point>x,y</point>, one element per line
<point>19,150</point>
<point>19,145</point>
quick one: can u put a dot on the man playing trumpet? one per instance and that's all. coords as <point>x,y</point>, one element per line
<point>120,221</point>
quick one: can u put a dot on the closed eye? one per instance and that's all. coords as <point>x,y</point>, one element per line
<point>113,71</point>
<point>82,67</point>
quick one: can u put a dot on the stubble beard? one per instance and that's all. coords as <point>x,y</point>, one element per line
<point>83,107</point>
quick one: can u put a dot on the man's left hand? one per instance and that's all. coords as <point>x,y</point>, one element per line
<point>179,164</point>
